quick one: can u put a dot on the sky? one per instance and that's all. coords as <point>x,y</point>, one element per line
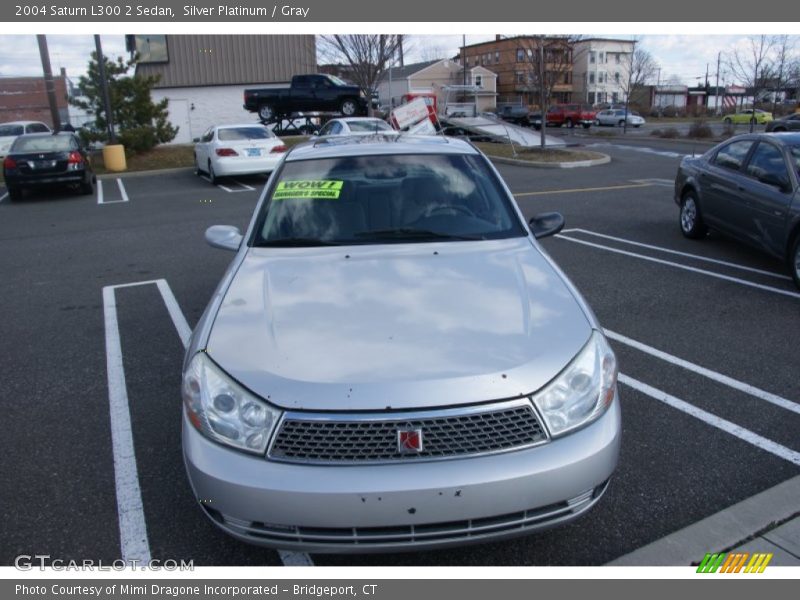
<point>683,56</point>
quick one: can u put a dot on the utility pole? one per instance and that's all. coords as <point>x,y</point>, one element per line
<point>628,94</point>
<point>464,56</point>
<point>716,87</point>
<point>49,84</point>
<point>101,65</point>
<point>706,86</point>
<point>542,90</point>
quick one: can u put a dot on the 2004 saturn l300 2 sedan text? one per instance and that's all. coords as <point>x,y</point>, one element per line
<point>392,362</point>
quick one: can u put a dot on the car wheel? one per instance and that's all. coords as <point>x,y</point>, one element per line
<point>587,125</point>
<point>348,107</point>
<point>779,129</point>
<point>621,123</point>
<point>794,260</point>
<point>691,220</point>
<point>266,112</point>
<point>597,122</point>
<point>14,193</point>
<point>212,177</point>
<point>569,123</point>
<point>727,120</point>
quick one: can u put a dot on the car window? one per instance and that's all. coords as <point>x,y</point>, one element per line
<point>231,134</point>
<point>37,128</point>
<point>208,135</point>
<point>43,143</point>
<point>9,130</point>
<point>368,199</point>
<point>767,160</point>
<point>336,128</point>
<point>794,153</point>
<point>371,125</point>
<point>732,156</point>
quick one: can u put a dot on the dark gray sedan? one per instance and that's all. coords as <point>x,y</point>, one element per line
<point>749,188</point>
<point>787,123</point>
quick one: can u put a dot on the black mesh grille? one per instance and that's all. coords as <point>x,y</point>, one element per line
<point>348,439</point>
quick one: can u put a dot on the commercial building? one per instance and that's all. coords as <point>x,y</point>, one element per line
<point>204,76</point>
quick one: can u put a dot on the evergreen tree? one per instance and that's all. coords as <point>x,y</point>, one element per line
<point>141,124</point>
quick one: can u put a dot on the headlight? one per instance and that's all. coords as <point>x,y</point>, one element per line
<point>581,392</point>
<point>223,410</point>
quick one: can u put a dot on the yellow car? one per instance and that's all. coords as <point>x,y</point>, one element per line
<point>746,116</point>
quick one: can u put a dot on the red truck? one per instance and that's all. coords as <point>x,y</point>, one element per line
<point>571,115</point>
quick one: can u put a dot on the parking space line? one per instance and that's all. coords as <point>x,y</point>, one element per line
<point>713,420</point>
<point>122,190</point>
<point>677,253</point>
<point>759,286</point>
<point>4,196</point>
<point>130,510</point>
<point>708,373</point>
<point>626,186</point>
<point>244,185</point>
<point>100,191</point>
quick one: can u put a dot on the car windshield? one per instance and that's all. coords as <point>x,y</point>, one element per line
<point>42,143</point>
<point>371,125</point>
<point>9,130</point>
<point>232,134</point>
<point>386,199</point>
<point>336,80</point>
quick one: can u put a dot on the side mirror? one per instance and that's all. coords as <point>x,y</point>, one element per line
<point>225,237</point>
<point>545,224</point>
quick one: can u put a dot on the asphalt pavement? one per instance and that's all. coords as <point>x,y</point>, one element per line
<point>704,330</point>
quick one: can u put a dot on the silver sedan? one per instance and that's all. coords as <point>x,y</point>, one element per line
<point>391,361</point>
<point>616,117</point>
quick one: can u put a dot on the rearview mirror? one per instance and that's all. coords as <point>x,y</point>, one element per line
<point>225,237</point>
<point>545,224</point>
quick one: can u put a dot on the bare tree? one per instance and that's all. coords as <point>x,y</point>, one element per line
<point>545,68</point>
<point>367,55</point>
<point>752,65</point>
<point>643,69</point>
<point>783,64</point>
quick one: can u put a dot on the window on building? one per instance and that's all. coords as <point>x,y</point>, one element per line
<point>615,97</point>
<point>479,81</point>
<point>591,97</point>
<point>520,75</point>
<point>592,57</point>
<point>601,58</point>
<point>601,77</point>
<point>616,79</point>
<point>616,58</point>
<point>151,48</point>
<point>497,57</point>
<point>591,77</point>
<point>520,54</point>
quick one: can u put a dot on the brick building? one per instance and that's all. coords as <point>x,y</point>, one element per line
<point>25,99</point>
<point>515,62</point>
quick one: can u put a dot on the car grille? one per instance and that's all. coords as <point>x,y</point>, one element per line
<point>452,433</point>
<point>364,538</point>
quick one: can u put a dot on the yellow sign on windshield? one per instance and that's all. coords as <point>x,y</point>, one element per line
<point>312,188</point>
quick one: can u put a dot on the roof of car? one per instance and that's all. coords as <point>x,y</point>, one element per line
<point>23,123</point>
<point>236,125</point>
<point>336,146</point>
<point>790,138</point>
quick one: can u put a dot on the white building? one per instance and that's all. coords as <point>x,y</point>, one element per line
<point>601,70</point>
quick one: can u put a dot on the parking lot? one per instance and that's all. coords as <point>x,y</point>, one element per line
<point>100,294</point>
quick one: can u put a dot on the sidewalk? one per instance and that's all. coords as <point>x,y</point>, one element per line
<point>768,522</point>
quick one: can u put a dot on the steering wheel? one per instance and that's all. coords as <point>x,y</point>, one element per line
<point>452,207</point>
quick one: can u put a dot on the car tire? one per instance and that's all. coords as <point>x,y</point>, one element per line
<point>597,122</point>
<point>794,260</point>
<point>212,177</point>
<point>266,112</point>
<point>14,193</point>
<point>691,219</point>
<point>621,123</point>
<point>348,107</point>
<point>197,170</point>
<point>727,120</point>
<point>587,125</point>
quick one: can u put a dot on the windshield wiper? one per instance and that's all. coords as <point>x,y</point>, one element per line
<point>298,242</point>
<point>412,234</point>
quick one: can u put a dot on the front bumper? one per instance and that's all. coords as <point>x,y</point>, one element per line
<point>408,506</point>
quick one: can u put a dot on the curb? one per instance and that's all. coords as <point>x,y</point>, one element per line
<point>720,532</point>
<point>605,159</point>
<point>142,173</point>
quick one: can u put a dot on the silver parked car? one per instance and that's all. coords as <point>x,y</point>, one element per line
<point>391,361</point>
<point>617,117</point>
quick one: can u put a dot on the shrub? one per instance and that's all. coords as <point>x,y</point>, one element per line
<point>700,129</point>
<point>656,132</point>
<point>670,133</point>
<point>139,139</point>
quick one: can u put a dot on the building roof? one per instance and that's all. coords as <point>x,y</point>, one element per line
<point>408,70</point>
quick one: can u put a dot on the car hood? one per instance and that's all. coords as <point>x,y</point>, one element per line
<point>396,326</point>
